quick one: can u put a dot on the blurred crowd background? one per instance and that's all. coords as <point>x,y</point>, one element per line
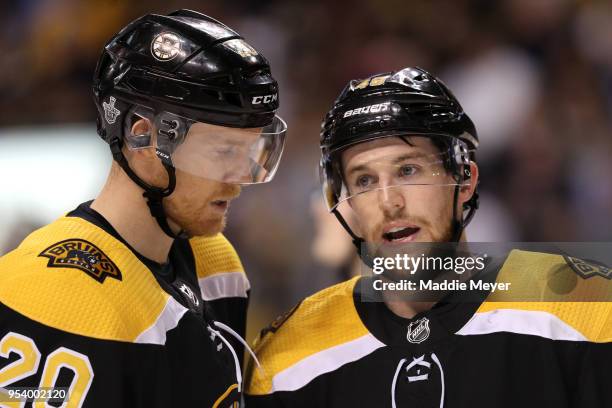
<point>535,76</point>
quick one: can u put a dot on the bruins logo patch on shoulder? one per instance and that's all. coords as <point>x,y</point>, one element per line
<point>83,255</point>
<point>587,268</point>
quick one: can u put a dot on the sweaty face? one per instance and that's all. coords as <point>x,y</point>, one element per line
<point>399,192</point>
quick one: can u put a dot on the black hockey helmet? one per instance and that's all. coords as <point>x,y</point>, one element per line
<point>177,70</point>
<point>408,102</point>
<point>189,64</point>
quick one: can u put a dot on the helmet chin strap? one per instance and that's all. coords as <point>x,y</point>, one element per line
<point>459,223</point>
<point>358,242</point>
<point>153,195</point>
<point>457,226</point>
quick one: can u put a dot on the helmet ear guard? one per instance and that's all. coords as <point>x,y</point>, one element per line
<point>141,140</point>
<point>459,158</point>
<point>171,132</point>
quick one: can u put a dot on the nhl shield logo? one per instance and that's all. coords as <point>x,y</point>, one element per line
<point>166,46</point>
<point>186,290</point>
<point>110,112</point>
<point>418,331</point>
<point>82,255</point>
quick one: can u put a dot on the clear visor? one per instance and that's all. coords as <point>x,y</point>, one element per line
<point>220,153</point>
<point>366,182</point>
<point>232,155</point>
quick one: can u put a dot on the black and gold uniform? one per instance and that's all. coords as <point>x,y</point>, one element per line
<point>334,350</point>
<point>79,308</point>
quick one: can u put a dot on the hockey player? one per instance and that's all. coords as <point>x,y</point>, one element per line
<point>398,157</point>
<point>136,299</point>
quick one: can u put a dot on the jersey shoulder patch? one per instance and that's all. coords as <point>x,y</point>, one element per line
<point>322,333</point>
<point>586,268</point>
<point>82,255</point>
<point>73,276</point>
<point>548,298</point>
<point>219,269</point>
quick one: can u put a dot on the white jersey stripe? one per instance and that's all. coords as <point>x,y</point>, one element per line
<point>535,323</point>
<point>306,370</point>
<point>167,320</point>
<point>223,285</point>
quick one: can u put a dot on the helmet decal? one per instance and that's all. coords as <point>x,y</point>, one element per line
<point>241,48</point>
<point>166,46</point>
<point>110,112</point>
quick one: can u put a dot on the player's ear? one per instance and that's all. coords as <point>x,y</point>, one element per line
<point>140,127</point>
<point>140,153</point>
<point>141,135</point>
<point>467,190</point>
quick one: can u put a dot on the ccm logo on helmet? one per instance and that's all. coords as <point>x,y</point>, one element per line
<point>377,107</point>
<point>264,99</point>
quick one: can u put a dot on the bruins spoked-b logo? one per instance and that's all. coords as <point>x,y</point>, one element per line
<point>166,46</point>
<point>587,268</point>
<point>82,255</point>
<point>418,331</point>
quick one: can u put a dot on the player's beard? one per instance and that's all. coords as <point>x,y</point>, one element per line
<point>445,235</point>
<point>430,232</point>
<point>191,207</point>
<point>435,242</point>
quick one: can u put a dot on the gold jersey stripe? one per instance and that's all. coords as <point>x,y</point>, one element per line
<point>224,395</point>
<point>324,320</point>
<point>214,255</point>
<point>70,300</point>
<point>551,286</point>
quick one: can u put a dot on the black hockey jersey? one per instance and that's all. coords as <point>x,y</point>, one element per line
<point>334,350</point>
<point>80,309</point>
